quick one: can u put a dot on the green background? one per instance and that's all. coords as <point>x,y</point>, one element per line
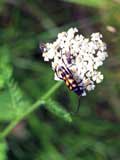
<point>50,132</point>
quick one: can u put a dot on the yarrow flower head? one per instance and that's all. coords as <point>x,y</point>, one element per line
<point>76,59</point>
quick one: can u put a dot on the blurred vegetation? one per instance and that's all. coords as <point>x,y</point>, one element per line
<point>35,119</point>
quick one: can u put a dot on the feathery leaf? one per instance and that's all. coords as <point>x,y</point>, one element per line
<point>55,108</point>
<point>12,100</point>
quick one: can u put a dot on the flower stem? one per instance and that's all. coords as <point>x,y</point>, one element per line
<point>9,128</point>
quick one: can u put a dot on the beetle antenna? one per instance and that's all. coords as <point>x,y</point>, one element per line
<point>78,107</point>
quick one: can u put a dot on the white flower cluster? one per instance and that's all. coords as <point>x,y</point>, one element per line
<point>82,56</point>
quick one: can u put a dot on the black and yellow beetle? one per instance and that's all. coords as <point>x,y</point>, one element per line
<point>65,74</point>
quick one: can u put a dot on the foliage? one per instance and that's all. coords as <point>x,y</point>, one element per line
<point>92,3</point>
<point>35,111</point>
<point>11,99</point>
<point>3,150</point>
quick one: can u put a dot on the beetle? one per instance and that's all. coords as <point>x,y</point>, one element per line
<point>66,75</point>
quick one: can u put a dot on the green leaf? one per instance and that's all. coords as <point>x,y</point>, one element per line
<point>91,3</point>
<point>50,153</point>
<point>55,108</point>
<point>12,101</point>
<point>3,149</point>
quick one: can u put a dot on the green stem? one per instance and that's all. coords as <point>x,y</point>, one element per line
<point>30,110</point>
